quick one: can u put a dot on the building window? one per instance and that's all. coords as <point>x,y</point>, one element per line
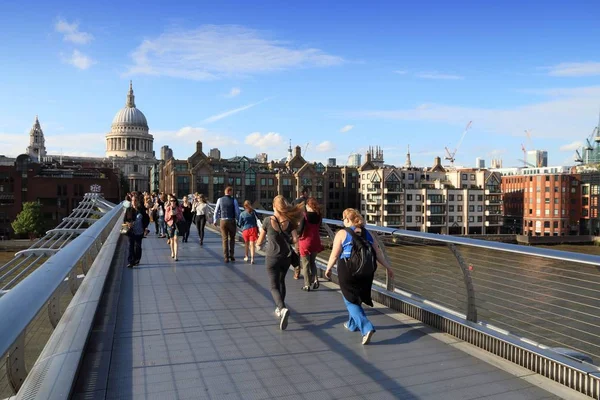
<point>471,208</point>
<point>555,224</point>
<point>459,197</point>
<point>409,197</point>
<point>417,219</point>
<point>472,177</point>
<point>480,219</point>
<point>459,208</point>
<point>408,218</point>
<point>459,218</point>
<point>546,224</point>
<point>464,177</point>
<point>451,208</point>
<point>450,197</point>
<point>451,218</point>
<point>471,219</point>
<point>480,208</point>
<point>479,197</point>
<point>471,197</point>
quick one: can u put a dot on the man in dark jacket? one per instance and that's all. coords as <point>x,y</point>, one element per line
<point>227,211</point>
<point>303,196</point>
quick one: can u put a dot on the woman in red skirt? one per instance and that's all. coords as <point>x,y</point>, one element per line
<point>247,221</point>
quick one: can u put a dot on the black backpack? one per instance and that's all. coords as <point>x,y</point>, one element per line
<point>362,261</point>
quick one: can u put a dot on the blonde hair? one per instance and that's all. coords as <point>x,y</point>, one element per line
<point>248,206</point>
<point>354,217</point>
<point>293,213</point>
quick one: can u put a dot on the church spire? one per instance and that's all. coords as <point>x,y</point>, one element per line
<point>290,151</point>
<point>130,97</point>
<point>37,145</point>
<point>408,162</point>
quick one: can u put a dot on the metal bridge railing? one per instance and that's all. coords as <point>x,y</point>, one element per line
<point>40,282</point>
<point>539,308</point>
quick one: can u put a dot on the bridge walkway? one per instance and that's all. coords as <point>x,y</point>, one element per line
<point>202,329</point>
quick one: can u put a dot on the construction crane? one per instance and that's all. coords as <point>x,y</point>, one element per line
<point>451,156</point>
<point>305,148</point>
<point>578,158</point>
<point>524,155</point>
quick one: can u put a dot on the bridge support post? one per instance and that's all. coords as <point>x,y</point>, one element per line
<point>15,363</point>
<point>471,306</point>
<point>73,281</point>
<point>54,308</point>
<point>389,282</point>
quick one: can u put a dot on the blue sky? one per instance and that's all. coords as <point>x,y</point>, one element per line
<point>247,77</point>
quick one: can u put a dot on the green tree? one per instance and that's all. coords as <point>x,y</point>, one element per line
<point>29,221</point>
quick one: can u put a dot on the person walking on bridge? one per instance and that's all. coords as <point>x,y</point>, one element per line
<point>247,221</point>
<point>199,209</point>
<point>309,243</point>
<point>173,218</point>
<point>355,284</point>
<point>227,211</point>
<point>281,235</point>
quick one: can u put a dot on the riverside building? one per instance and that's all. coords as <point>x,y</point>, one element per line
<point>437,199</point>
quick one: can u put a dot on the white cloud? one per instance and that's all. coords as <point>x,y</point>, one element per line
<point>234,92</point>
<point>181,139</point>
<point>257,139</point>
<point>346,128</point>
<point>79,60</point>
<point>576,145</point>
<point>437,75</point>
<point>71,32</point>
<point>401,72</point>
<point>564,112</point>
<point>217,51</point>
<point>226,114</point>
<point>75,144</point>
<point>575,69</point>
<point>325,146</point>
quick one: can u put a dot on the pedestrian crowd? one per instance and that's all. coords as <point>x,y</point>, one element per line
<point>290,238</point>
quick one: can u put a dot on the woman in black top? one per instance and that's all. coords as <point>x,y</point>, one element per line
<point>280,231</point>
<point>187,218</point>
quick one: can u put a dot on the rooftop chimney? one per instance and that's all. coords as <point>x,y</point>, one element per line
<point>437,162</point>
<point>297,152</point>
<point>198,147</point>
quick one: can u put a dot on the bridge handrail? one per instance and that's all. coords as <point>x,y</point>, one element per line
<point>449,239</point>
<point>20,305</point>
<point>55,371</point>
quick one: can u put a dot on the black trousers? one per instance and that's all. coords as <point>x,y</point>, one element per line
<point>277,270</point>
<point>200,224</point>
<point>135,248</point>
<point>186,229</point>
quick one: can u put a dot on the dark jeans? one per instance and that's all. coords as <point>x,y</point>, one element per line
<point>228,229</point>
<point>135,248</point>
<point>186,226</point>
<point>200,224</point>
<point>277,270</point>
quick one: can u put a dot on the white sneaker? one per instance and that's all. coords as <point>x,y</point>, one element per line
<point>246,258</point>
<point>278,313</point>
<point>367,338</point>
<point>285,313</point>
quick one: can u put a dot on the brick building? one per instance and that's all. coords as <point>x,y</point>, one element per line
<point>58,188</point>
<point>336,188</point>
<point>543,201</point>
